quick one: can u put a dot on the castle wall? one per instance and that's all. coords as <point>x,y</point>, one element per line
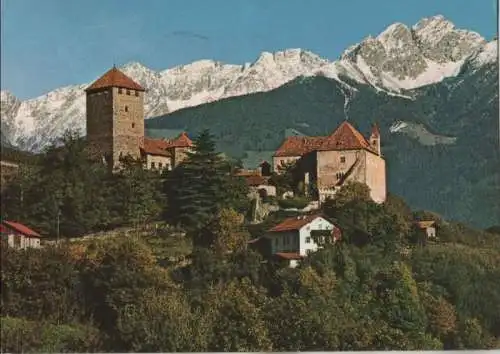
<point>99,123</point>
<point>128,120</point>
<point>332,162</point>
<point>160,162</point>
<point>376,177</point>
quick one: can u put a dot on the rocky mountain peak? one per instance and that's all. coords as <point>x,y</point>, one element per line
<point>399,58</point>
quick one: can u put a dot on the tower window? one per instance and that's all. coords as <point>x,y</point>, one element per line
<point>126,108</point>
<point>128,92</point>
<point>133,125</point>
<point>120,91</point>
<point>342,159</point>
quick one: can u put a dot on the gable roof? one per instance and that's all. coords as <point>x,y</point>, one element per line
<point>299,145</point>
<point>424,224</point>
<point>345,137</point>
<point>181,141</point>
<point>289,255</point>
<point>114,78</point>
<point>18,227</point>
<point>156,147</point>
<point>295,223</point>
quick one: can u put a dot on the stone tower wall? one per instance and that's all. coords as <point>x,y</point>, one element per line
<point>376,177</point>
<point>128,121</point>
<point>99,123</point>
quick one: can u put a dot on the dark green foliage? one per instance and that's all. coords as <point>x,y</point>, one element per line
<point>294,203</point>
<point>67,194</point>
<point>23,336</point>
<point>361,293</point>
<point>201,186</point>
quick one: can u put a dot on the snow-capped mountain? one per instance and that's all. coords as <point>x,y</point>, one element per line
<point>398,59</point>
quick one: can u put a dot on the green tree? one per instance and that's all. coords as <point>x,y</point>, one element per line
<point>136,196</point>
<point>200,187</point>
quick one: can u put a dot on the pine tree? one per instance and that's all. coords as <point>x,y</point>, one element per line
<point>200,187</point>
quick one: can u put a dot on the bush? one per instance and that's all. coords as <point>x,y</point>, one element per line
<point>296,202</point>
<point>20,335</point>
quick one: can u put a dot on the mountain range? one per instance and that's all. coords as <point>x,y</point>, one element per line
<point>432,88</point>
<point>398,59</point>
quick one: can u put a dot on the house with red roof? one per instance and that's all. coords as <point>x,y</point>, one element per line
<point>17,235</point>
<point>115,125</point>
<point>296,237</point>
<point>329,162</point>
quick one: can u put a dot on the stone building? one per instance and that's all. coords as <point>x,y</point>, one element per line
<point>326,163</point>
<point>115,125</point>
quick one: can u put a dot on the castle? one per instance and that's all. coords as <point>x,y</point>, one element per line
<point>115,125</point>
<point>115,128</point>
<point>328,162</point>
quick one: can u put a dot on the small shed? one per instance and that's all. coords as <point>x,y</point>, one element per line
<point>18,236</point>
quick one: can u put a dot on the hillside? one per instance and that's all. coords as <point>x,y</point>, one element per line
<point>440,141</point>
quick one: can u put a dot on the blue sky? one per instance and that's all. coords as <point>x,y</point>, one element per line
<point>50,43</point>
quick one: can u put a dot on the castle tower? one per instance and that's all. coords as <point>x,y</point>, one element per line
<point>375,139</point>
<point>115,117</point>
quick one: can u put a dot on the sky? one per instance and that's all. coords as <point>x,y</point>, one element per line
<point>46,44</point>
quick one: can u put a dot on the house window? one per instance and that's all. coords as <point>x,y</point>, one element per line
<point>160,165</point>
<point>120,91</point>
<point>342,159</point>
<point>133,125</point>
<point>308,240</point>
<point>128,92</point>
<point>136,93</point>
<point>126,108</point>
<point>152,165</point>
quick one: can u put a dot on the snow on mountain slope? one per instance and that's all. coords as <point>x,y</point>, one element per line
<point>398,59</point>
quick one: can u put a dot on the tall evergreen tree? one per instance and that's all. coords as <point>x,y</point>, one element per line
<point>201,186</point>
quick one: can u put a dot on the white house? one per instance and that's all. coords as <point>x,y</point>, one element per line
<point>18,236</point>
<point>291,240</point>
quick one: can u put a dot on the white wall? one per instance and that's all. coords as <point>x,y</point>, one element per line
<point>305,232</point>
<point>297,240</point>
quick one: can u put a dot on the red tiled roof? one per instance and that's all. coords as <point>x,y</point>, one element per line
<point>345,137</point>
<point>375,130</point>
<point>156,147</point>
<point>294,223</point>
<point>424,224</point>
<point>289,255</point>
<point>22,229</point>
<point>115,78</point>
<point>255,180</point>
<point>299,145</point>
<point>181,141</point>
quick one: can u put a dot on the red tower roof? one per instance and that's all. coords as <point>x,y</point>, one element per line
<point>345,137</point>
<point>115,78</point>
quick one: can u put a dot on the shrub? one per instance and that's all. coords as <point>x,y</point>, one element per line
<point>20,335</point>
<point>296,202</point>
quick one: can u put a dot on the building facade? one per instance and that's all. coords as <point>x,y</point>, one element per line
<point>292,239</point>
<point>327,163</point>
<point>18,236</point>
<point>115,125</point>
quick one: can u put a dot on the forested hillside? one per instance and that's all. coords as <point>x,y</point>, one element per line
<point>194,285</point>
